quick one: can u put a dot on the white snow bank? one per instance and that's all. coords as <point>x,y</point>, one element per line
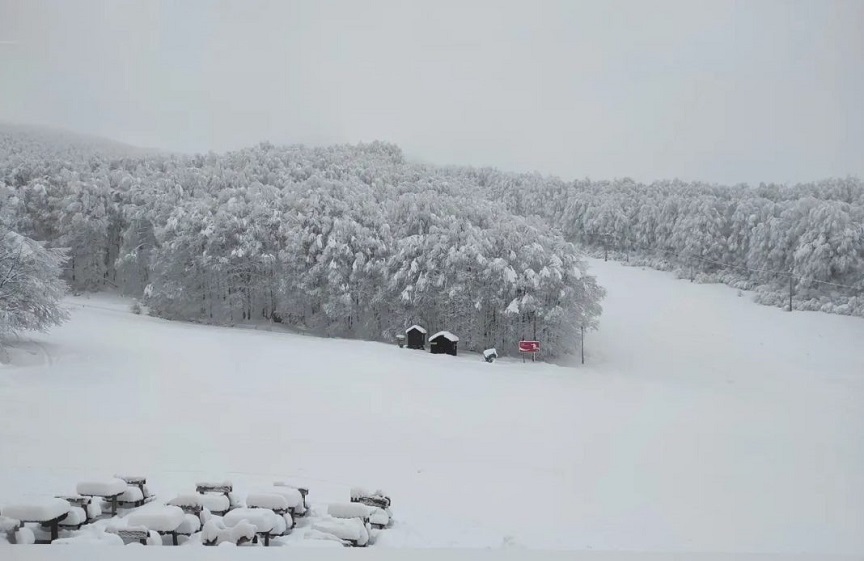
<point>350,529</point>
<point>105,488</point>
<point>162,519</point>
<point>446,334</point>
<point>265,520</point>
<point>348,510</point>
<point>39,511</point>
<point>188,500</point>
<point>90,538</point>
<point>75,517</point>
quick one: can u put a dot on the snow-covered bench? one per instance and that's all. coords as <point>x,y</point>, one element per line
<point>165,520</point>
<point>281,500</point>
<point>302,489</point>
<point>267,523</point>
<point>91,509</point>
<point>110,490</point>
<point>136,494</point>
<point>376,517</point>
<point>378,498</point>
<point>218,498</point>
<point>352,531</point>
<point>48,513</point>
<point>137,534</point>
<point>223,487</point>
<point>215,533</point>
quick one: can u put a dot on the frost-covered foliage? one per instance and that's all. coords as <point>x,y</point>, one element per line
<point>346,241</point>
<point>744,236</point>
<point>30,285</point>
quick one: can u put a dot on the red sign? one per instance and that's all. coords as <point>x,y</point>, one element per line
<point>529,346</point>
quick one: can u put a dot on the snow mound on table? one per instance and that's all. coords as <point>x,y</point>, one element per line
<point>264,520</point>
<point>215,531</point>
<point>104,488</point>
<point>209,501</point>
<point>273,501</point>
<point>75,517</point>
<point>292,495</point>
<point>348,510</point>
<point>350,529</point>
<point>190,524</point>
<point>131,495</point>
<point>37,511</point>
<point>163,519</point>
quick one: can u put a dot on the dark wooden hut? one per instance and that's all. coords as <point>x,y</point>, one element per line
<point>443,343</point>
<point>416,337</point>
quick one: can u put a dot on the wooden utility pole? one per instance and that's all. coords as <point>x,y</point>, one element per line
<point>791,278</point>
<point>582,343</point>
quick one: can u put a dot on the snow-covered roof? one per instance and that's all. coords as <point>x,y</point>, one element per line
<point>417,327</point>
<point>446,334</point>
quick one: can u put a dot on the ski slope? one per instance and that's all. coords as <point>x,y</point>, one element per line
<point>701,422</point>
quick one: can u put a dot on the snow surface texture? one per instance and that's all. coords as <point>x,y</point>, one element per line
<point>37,511</point>
<point>700,422</point>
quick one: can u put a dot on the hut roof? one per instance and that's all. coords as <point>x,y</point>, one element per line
<point>416,327</point>
<point>446,334</point>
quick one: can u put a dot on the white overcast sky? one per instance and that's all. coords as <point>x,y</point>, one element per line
<point>719,91</point>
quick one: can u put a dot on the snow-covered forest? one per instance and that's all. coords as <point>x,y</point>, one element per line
<point>357,241</point>
<point>347,241</point>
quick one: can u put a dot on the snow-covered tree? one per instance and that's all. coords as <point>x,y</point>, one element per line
<point>30,285</point>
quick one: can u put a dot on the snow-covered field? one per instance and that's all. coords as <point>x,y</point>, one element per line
<point>702,422</point>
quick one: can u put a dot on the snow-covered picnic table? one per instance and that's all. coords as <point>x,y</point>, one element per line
<point>109,489</point>
<point>267,523</point>
<point>46,512</point>
<point>165,520</point>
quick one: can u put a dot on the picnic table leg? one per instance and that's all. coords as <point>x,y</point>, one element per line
<point>54,529</point>
<point>267,539</point>
<point>174,538</point>
<point>114,505</point>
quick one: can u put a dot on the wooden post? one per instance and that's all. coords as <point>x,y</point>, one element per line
<point>790,289</point>
<point>582,342</point>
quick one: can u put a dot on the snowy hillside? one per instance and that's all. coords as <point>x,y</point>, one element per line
<point>701,422</point>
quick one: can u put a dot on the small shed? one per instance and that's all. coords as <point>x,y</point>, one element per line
<point>416,337</point>
<point>443,343</point>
